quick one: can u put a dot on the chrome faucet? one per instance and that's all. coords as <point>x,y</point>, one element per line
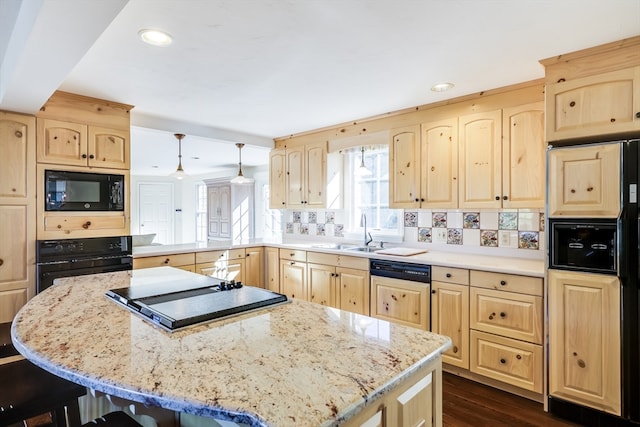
<point>367,236</point>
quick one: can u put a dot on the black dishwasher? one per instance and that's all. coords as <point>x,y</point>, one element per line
<point>401,270</point>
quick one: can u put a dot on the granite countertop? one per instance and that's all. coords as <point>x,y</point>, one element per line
<point>497,264</point>
<point>299,363</point>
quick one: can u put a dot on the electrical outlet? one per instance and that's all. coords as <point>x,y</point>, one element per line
<point>441,235</point>
<point>505,239</point>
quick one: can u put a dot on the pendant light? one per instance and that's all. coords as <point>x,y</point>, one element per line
<point>179,173</point>
<point>362,169</point>
<point>240,179</point>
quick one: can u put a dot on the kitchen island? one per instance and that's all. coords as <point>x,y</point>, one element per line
<point>297,364</point>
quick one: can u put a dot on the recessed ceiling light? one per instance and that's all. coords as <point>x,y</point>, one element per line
<point>155,37</point>
<point>441,87</point>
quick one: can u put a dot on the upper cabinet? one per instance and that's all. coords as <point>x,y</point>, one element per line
<point>17,147</point>
<point>74,144</point>
<point>584,181</point>
<point>602,104</point>
<point>277,179</point>
<point>404,167</point>
<point>439,172</point>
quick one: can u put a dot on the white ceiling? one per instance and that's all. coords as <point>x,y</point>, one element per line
<point>251,70</point>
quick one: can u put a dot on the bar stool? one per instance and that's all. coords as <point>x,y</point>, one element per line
<point>113,419</point>
<point>27,391</point>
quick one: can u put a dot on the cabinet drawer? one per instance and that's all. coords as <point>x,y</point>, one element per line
<point>507,282</point>
<point>450,275</point>
<point>174,260</point>
<point>506,313</point>
<point>212,256</point>
<point>236,253</point>
<point>338,260</point>
<point>293,254</point>
<point>74,223</point>
<point>507,360</point>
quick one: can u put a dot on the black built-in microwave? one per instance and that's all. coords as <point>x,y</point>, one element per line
<point>82,191</point>
<point>588,245</point>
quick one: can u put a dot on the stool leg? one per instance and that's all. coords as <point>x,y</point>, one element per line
<point>73,413</point>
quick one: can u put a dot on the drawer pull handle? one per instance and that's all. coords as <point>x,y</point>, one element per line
<point>292,263</point>
<point>518,357</point>
<point>581,363</point>
<point>503,314</point>
<point>503,283</point>
<point>86,225</point>
<point>455,348</point>
<point>166,261</point>
<point>449,275</point>
<point>503,361</point>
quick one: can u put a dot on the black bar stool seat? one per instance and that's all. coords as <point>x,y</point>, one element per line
<point>113,419</point>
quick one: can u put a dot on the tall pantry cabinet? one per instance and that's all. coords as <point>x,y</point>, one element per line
<point>17,212</point>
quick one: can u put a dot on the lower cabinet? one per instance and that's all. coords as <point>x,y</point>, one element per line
<point>293,279</point>
<point>185,261</point>
<point>222,264</point>
<point>254,267</point>
<point>584,339</point>
<point>450,317</point>
<point>272,267</point>
<point>417,402</point>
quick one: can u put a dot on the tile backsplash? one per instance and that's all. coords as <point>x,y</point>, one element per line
<point>518,229</point>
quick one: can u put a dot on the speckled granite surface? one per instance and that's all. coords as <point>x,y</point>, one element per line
<point>297,364</point>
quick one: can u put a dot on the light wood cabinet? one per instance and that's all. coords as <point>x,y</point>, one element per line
<point>293,279</point>
<point>401,301</point>
<point>353,290</point>
<point>417,402</point>
<point>584,181</point>
<point>172,260</point>
<point>219,210</point>
<point>17,212</point>
<point>480,160</point>
<point>254,267</point>
<point>601,104</point>
<point>224,264</point>
<point>450,317</point>
<point>506,322</point>
<point>439,171</point>
<point>272,266</point>
<point>404,167</point>
<point>306,176</point>
<point>76,144</point>
<point>322,284</point>
<point>584,339</point>
<point>277,179</point>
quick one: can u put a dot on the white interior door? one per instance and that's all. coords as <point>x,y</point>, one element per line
<point>155,208</point>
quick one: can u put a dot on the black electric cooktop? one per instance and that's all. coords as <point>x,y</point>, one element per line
<point>179,304</point>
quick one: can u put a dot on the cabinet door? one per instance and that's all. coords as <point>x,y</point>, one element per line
<point>295,177</point>
<point>439,187</point>
<point>14,226</point>
<point>294,279</point>
<point>480,160</point>
<point>17,157</point>
<point>108,148</point>
<point>316,175</point>
<point>400,301</point>
<point>219,210</point>
<point>603,104</point>
<point>272,262</point>
<point>353,288</point>
<point>414,407</point>
<point>584,339</point>
<point>277,179</point>
<point>584,181</point>
<point>254,267</point>
<point>62,143</point>
<point>450,317</point>
<point>322,284</point>
<point>404,168</point>
<point>523,151</point>
<point>235,270</point>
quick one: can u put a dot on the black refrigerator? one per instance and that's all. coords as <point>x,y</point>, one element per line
<point>619,237</point>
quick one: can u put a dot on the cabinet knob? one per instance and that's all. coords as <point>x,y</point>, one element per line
<point>503,283</point>
<point>491,316</point>
<point>503,314</point>
<point>503,361</point>
<point>84,156</point>
<point>417,200</point>
<point>505,197</point>
<point>433,291</point>
<point>166,261</point>
<point>638,115</point>
<point>18,134</point>
<point>1,261</point>
<point>248,255</point>
<point>448,275</point>
<point>455,349</point>
<point>86,225</point>
<point>91,156</point>
<point>497,197</point>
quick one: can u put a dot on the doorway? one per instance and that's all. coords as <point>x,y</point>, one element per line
<point>155,211</point>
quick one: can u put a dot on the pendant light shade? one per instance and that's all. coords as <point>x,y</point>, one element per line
<point>362,169</point>
<point>240,179</point>
<point>179,173</point>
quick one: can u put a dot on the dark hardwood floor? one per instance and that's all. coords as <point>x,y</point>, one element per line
<point>466,403</point>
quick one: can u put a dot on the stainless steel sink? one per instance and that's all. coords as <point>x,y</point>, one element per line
<point>340,246</point>
<point>363,248</point>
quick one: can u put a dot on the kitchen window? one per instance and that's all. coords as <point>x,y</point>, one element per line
<point>369,194</point>
<point>201,213</point>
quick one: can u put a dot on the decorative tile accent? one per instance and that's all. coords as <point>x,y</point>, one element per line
<point>338,231</point>
<point>424,234</point>
<point>320,230</point>
<point>489,238</point>
<point>297,216</point>
<point>471,219</point>
<point>411,219</point>
<point>440,219</point>
<point>454,236</point>
<point>528,240</point>
<point>289,228</point>
<point>507,220</point>
<point>330,217</point>
<point>542,222</point>
<point>313,217</point>
<point>304,229</point>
